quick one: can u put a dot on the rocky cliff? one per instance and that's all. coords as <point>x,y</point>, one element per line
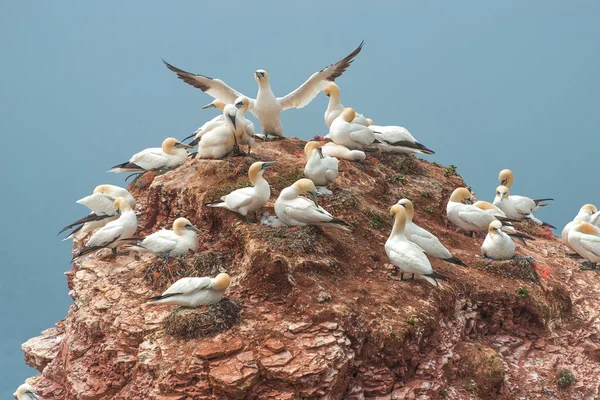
<point>320,317</point>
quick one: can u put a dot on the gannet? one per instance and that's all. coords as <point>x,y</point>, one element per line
<point>507,178</point>
<point>584,215</point>
<point>584,238</point>
<point>353,136</point>
<point>266,107</point>
<point>320,169</point>
<point>170,243</point>
<point>495,211</point>
<point>335,107</point>
<point>518,207</point>
<point>220,141</point>
<point>424,239</point>
<point>172,154</point>
<point>338,151</point>
<point>497,245</point>
<point>102,210</point>
<point>250,199</point>
<point>26,392</point>
<point>397,139</point>
<point>195,292</point>
<point>294,210</point>
<point>466,216</point>
<point>244,126</point>
<point>112,235</point>
<point>211,124</point>
<point>270,220</point>
<point>408,257</point>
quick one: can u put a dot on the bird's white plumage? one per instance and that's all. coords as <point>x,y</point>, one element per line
<point>322,170</point>
<point>192,292</point>
<point>353,136</point>
<point>498,246</point>
<point>111,234</point>
<point>331,149</point>
<point>167,241</point>
<point>586,244</point>
<point>396,139</point>
<point>26,392</point>
<point>468,217</point>
<point>218,142</point>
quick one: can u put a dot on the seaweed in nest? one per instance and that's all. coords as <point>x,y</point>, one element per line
<point>304,239</point>
<point>406,164</point>
<point>197,322</point>
<point>516,268</point>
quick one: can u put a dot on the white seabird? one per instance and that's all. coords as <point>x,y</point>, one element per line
<point>424,239</point>
<point>249,199</point>
<point>295,210</point>
<point>584,238</point>
<point>320,169</point>
<point>26,392</point>
<point>102,210</point>
<point>407,256</point>
<point>466,216</point>
<point>507,178</point>
<point>208,125</point>
<point>518,207</point>
<point>335,107</point>
<point>497,245</point>
<point>220,141</point>
<point>354,136</point>
<point>585,214</point>
<point>397,139</point>
<point>266,107</point>
<point>170,243</point>
<point>115,233</point>
<point>172,154</point>
<point>331,149</point>
<point>195,292</point>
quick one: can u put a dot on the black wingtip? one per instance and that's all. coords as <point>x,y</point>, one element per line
<point>456,261</point>
<point>548,225</point>
<point>521,236</point>
<point>435,275</point>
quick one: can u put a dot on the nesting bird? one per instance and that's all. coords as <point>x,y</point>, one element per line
<point>295,210</point>
<point>346,133</point>
<point>320,169</point>
<point>335,107</point>
<point>424,239</point>
<point>172,154</point>
<point>465,215</point>
<point>587,213</point>
<point>170,243</point>
<point>221,140</point>
<point>195,292</point>
<point>584,238</point>
<point>266,107</point>
<point>498,244</point>
<point>407,256</point>
<point>115,233</point>
<point>26,392</point>
<point>250,199</point>
<point>208,125</point>
<point>338,151</point>
<point>397,139</point>
<point>518,207</point>
<point>101,204</point>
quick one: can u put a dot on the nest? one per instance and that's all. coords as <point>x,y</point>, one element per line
<point>402,163</point>
<point>303,239</point>
<point>193,323</point>
<point>516,268</point>
<point>202,264</point>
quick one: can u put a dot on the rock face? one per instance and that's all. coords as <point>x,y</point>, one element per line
<point>321,319</point>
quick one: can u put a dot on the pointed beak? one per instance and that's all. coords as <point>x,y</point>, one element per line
<point>467,201</point>
<point>193,228</point>
<point>504,182</point>
<point>320,150</point>
<point>313,196</point>
<point>210,105</point>
<point>183,145</point>
<point>268,164</point>
<point>232,119</point>
<point>118,210</point>
<point>239,105</point>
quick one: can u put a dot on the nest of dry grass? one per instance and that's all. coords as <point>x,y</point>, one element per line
<point>517,268</point>
<point>298,240</point>
<point>193,323</point>
<point>402,163</point>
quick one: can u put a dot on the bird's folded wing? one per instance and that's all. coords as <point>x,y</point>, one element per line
<point>393,134</point>
<point>149,159</point>
<point>239,198</point>
<point>308,213</point>
<point>99,203</point>
<point>474,216</point>
<point>317,82</point>
<point>189,285</point>
<point>161,241</point>
<point>105,235</point>
<point>363,136</point>
<point>591,244</point>
<point>214,87</point>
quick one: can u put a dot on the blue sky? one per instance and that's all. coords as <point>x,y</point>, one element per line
<point>487,85</point>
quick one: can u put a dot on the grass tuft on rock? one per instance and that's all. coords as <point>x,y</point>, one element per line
<point>193,323</point>
<point>405,164</point>
<point>565,378</point>
<point>298,240</point>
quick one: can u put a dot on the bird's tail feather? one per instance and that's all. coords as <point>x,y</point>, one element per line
<point>457,261</point>
<point>520,236</point>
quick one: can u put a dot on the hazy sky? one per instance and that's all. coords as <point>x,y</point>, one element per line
<point>487,85</point>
